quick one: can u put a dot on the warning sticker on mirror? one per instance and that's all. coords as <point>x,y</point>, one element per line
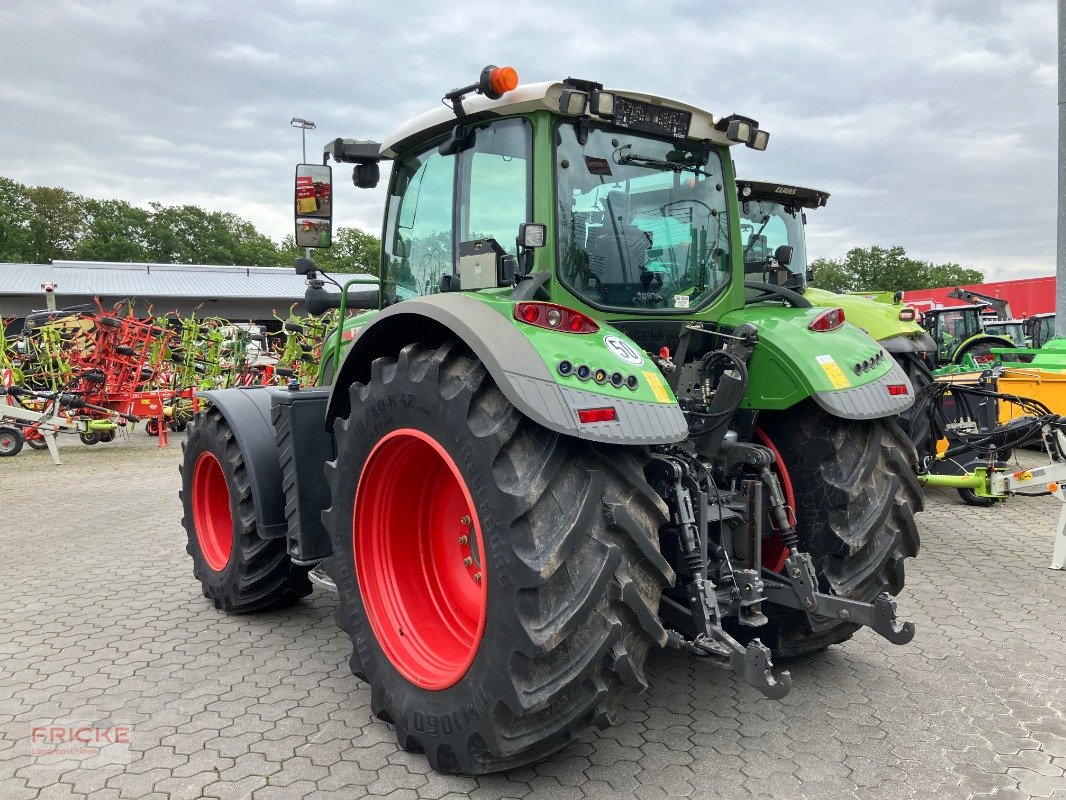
<point>833,371</point>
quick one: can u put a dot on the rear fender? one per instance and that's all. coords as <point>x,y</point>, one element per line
<point>520,368</point>
<point>247,412</point>
<point>841,370</point>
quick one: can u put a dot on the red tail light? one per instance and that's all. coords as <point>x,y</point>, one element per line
<point>828,320</point>
<point>554,317</point>
<point>896,389</point>
<point>597,414</point>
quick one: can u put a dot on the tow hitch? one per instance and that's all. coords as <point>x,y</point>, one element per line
<point>718,586</point>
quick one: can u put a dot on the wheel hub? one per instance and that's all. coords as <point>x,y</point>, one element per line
<point>419,559</point>
<point>211,512</point>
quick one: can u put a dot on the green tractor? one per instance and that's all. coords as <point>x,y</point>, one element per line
<point>540,457</point>
<point>773,217</point>
<point>961,337</point>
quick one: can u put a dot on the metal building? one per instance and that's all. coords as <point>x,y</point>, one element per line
<point>237,293</point>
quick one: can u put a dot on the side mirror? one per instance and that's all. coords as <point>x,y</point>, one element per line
<point>783,255</point>
<point>314,205</point>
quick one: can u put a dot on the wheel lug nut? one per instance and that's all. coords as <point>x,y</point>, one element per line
<point>477,577</point>
<point>465,519</point>
<point>468,561</point>
<point>463,540</point>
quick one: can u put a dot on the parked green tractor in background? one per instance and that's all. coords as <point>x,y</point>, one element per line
<point>960,335</point>
<point>773,218</point>
<point>540,456</point>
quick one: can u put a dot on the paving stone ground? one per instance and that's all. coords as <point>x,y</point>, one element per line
<point>101,620</point>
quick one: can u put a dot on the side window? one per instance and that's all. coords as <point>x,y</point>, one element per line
<point>496,183</point>
<point>418,235</point>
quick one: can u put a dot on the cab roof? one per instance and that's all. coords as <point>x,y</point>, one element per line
<point>528,98</point>
<point>770,191</point>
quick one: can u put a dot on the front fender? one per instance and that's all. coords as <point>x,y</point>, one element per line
<point>845,371</point>
<point>522,360</point>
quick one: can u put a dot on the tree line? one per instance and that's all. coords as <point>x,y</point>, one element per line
<point>39,224</point>
<point>869,269</point>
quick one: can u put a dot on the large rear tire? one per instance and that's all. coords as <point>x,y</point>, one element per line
<point>239,569</point>
<point>520,603</point>
<point>917,421</point>
<point>856,494</point>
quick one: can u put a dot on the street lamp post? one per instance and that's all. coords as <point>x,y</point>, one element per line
<point>304,125</point>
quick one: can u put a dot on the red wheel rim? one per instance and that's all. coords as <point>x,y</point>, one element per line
<point>774,552</point>
<point>419,559</point>
<point>211,514</point>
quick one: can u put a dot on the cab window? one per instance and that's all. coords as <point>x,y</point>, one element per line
<point>481,193</point>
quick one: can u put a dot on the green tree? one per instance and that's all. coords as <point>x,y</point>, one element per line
<point>887,269</point>
<point>353,250</point>
<point>114,231</point>
<point>15,211</point>
<point>57,223</point>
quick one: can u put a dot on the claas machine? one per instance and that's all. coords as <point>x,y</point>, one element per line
<point>569,431</point>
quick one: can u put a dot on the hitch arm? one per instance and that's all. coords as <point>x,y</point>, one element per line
<point>753,662</point>
<point>879,616</point>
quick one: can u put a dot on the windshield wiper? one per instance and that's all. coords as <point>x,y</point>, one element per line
<point>654,163</point>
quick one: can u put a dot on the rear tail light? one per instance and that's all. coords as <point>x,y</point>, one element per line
<point>554,317</point>
<point>607,414</point>
<point>828,320</point>
<point>907,315</point>
<point>896,389</point>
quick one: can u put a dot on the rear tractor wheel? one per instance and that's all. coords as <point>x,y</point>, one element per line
<point>238,568</point>
<point>499,581</point>
<point>855,495</point>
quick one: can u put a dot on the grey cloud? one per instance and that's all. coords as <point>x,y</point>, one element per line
<point>932,124</point>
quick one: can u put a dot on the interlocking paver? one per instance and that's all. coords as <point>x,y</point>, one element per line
<point>100,619</point>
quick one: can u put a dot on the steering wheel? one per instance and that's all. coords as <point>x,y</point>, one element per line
<point>794,299</point>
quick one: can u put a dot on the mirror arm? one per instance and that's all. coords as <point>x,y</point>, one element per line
<point>341,312</point>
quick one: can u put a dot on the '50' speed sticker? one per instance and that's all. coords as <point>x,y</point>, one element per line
<point>624,350</point>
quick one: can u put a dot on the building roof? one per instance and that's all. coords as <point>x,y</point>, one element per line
<point>135,280</point>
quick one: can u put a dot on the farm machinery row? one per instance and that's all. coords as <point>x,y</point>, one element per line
<point>92,371</point>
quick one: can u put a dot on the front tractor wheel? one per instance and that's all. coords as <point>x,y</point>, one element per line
<point>499,581</point>
<point>855,495</point>
<point>239,569</point>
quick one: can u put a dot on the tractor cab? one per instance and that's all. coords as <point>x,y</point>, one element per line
<point>1039,328</point>
<point>950,327</point>
<point>772,219</point>
<point>1013,329</point>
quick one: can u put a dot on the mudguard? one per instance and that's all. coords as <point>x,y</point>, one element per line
<point>916,343</point>
<point>845,371</point>
<point>521,369</point>
<point>247,411</point>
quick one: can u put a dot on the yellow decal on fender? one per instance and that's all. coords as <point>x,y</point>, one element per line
<point>657,387</point>
<point>833,372</point>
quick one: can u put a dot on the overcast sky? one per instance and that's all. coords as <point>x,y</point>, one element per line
<point>933,125</point>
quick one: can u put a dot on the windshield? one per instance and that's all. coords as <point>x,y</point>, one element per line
<point>765,226</point>
<point>1010,330</point>
<point>642,222</point>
